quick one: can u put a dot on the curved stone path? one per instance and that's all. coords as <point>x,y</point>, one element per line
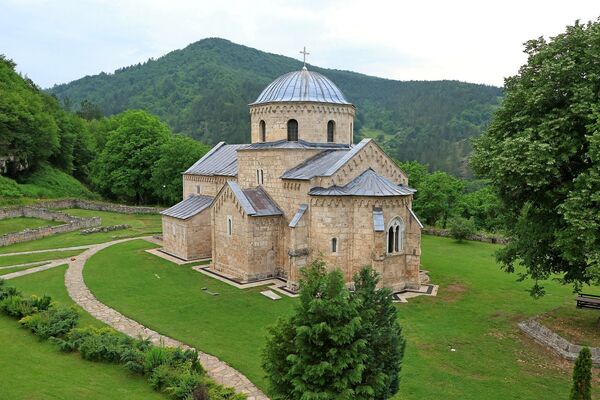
<point>218,370</point>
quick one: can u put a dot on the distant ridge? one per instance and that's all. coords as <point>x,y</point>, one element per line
<point>203,91</point>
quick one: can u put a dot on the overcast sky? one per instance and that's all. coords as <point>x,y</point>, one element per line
<point>475,41</point>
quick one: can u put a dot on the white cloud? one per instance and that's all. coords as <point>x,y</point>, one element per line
<point>475,41</point>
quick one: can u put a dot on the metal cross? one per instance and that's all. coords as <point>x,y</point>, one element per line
<point>305,53</point>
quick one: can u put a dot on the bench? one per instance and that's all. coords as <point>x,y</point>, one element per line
<point>588,301</point>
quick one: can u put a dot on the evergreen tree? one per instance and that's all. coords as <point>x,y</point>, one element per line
<point>320,352</point>
<point>383,334</point>
<point>582,376</point>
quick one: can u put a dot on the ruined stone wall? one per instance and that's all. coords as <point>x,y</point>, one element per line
<point>188,239</point>
<point>71,223</point>
<point>205,185</point>
<point>312,121</point>
<point>98,206</point>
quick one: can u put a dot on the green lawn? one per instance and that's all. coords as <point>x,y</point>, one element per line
<point>476,313</point>
<point>38,370</point>
<point>28,258</point>
<point>21,223</point>
<point>141,224</point>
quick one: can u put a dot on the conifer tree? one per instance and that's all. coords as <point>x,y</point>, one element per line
<point>582,376</point>
<point>385,343</point>
<point>320,352</point>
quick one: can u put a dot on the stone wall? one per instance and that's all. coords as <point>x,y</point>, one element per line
<point>97,206</point>
<point>477,238</point>
<point>312,121</point>
<point>188,239</point>
<point>204,185</point>
<point>72,223</point>
<point>555,342</point>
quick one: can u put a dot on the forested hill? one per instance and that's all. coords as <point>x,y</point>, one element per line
<point>203,91</point>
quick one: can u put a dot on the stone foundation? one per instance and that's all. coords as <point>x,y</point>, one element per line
<point>98,206</point>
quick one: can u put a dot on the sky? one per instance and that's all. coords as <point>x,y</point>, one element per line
<point>57,41</point>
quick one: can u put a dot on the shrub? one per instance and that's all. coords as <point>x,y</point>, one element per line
<point>7,291</point>
<point>184,381</point>
<point>155,357</point>
<point>54,322</point>
<point>9,188</point>
<point>462,228</point>
<point>17,306</point>
<point>98,344</point>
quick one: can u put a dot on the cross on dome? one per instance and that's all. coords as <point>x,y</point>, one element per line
<point>304,53</point>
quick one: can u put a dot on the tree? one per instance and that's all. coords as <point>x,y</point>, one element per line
<point>542,154</point>
<point>123,170</point>
<point>485,207</point>
<point>582,376</point>
<point>462,228</point>
<point>385,343</point>
<point>437,197</point>
<point>319,353</point>
<point>415,171</point>
<point>176,155</point>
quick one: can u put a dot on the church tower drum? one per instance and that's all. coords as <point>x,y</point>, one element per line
<point>302,105</point>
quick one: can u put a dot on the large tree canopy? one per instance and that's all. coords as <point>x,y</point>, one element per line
<point>542,152</point>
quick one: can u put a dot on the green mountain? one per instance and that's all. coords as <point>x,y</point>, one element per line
<point>203,91</point>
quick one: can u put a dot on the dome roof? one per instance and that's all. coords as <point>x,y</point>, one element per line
<point>303,85</point>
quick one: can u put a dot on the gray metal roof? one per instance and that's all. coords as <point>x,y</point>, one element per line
<point>255,202</point>
<point>378,224</point>
<point>340,163</point>
<point>415,217</point>
<point>299,144</point>
<point>369,183</point>
<point>317,165</point>
<point>303,85</point>
<point>189,207</point>
<point>299,214</point>
<point>220,160</point>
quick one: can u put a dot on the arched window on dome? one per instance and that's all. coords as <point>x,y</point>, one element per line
<point>395,236</point>
<point>262,131</point>
<point>292,130</point>
<point>331,131</point>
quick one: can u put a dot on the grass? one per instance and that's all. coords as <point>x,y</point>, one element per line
<point>579,326</point>
<point>231,326</point>
<point>18,224</point>
<point>29,258</point>
<point>38,370</point>
<point>141,224</point>
<point>476,312</point>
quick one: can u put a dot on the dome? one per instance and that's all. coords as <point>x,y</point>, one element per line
<point>303,85</point>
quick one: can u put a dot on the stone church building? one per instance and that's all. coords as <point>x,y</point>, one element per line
<point>299,191</point>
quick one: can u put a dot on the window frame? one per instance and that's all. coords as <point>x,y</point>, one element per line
<point>335,245</point>
<point>229,225</point>
<point>395,236</point>
<point>262,131</point>
<point>331,131</point>
<point>292,136</point>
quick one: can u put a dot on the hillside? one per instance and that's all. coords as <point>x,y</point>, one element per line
<point>203,91</point>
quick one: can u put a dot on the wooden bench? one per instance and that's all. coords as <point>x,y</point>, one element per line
<point>588,301</point>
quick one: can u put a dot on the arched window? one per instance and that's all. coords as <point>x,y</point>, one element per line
<point>395,236</point>
<point>331,131</point>
<point>292,129</point>
<point>334,248</point>
<point>262,131</point>
<point>229,225</point>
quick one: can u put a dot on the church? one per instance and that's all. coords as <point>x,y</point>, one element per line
<point>299,191</point>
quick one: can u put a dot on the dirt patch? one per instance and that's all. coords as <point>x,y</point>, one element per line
<point>452,292</point>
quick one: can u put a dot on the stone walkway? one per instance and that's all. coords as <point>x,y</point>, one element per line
<point>48,250</point>
<point>44,267</point>
<point>216,369</point>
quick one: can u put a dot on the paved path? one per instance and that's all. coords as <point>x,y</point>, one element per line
<point>216,369</point>
<point>48,250</point>
<point>44,267</point>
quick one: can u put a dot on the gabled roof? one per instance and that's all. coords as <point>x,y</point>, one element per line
<point>255,201</point>
<point>325,163</point>
<point>316,165</point>
<point>220,160</point>
<point>369,183</point>
<point>299,144</point>
<point>189,207</point>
